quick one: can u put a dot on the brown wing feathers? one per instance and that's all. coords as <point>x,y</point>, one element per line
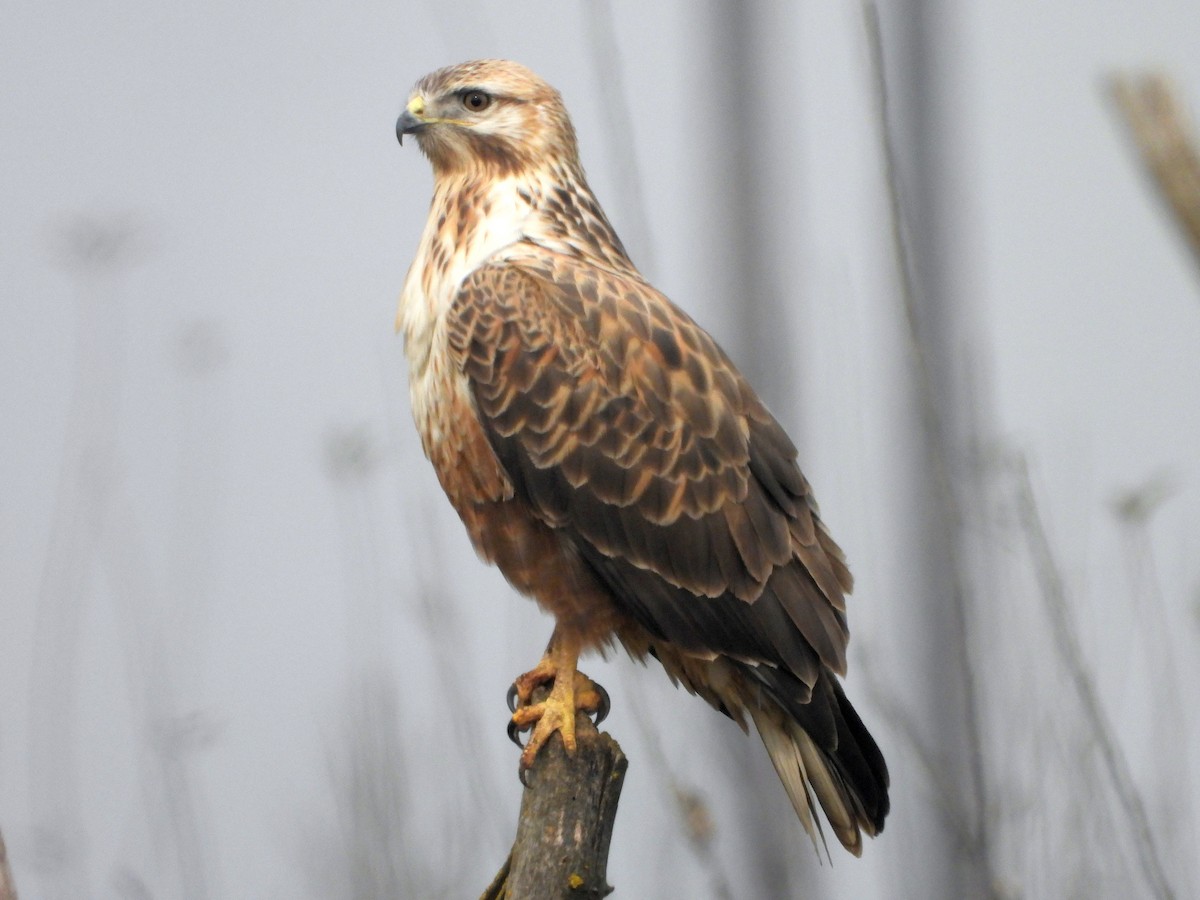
<point>625,427</point>
<point>602,444</point>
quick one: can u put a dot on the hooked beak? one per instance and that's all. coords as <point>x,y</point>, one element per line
<point>408,123</point>
<point>412,119</point>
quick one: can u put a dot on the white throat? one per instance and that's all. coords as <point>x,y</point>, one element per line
<point>458,238</point>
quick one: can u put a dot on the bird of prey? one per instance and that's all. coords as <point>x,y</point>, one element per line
<point>607,456</point>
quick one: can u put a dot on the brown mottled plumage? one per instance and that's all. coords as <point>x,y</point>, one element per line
<point>603,451</point>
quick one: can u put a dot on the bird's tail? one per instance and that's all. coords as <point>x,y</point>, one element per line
<point>822,752</point>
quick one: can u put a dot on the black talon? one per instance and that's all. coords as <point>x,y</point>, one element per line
<point>605,705</point>
<point>514,734</point>
<point>522,772</point>
<point>511,697</point>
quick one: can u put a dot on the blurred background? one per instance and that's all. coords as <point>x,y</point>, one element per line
<point>246,649</point>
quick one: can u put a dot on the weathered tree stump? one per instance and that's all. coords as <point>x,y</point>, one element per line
<point>8,890</point>
<point>566,821</point>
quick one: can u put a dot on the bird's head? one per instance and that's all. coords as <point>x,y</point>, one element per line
<point>490,114</point>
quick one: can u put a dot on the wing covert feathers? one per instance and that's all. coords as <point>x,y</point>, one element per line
<point>623,424</point>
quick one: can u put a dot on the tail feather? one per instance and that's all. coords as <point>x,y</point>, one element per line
<point>831,791</point>
<point>789,761</point>
<point>823,754</point>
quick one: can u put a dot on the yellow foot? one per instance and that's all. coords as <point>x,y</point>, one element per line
<point>572,691</point>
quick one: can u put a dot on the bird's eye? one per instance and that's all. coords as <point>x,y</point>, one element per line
<point>476,101</point>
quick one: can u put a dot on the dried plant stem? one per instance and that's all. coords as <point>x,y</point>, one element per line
<point>1066,641</point>
<point>1154,114</point>
<point>949,505</point>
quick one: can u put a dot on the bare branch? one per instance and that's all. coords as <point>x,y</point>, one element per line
<point>1155,117</point>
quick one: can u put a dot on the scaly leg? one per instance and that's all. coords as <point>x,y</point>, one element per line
<point>571,691</point>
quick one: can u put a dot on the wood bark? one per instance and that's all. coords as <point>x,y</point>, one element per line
<point>566,821</point>
<point>8,890</point>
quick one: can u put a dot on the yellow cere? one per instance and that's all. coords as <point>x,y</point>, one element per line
<point>416,106</point>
